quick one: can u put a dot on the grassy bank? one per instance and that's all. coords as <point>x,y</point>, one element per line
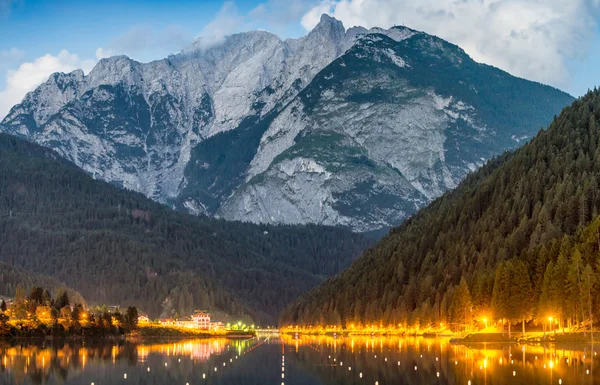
<point>173,331</point>
<point>534,337</point>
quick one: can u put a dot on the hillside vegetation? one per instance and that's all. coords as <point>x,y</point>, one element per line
<point>119,248</point>
<point>11,278</point>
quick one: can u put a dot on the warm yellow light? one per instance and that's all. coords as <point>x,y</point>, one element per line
<point>550,319</point>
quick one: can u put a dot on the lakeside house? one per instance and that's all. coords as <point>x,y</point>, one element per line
<point>198,320</point>
<point>201,320</point>
<point>217,325</point>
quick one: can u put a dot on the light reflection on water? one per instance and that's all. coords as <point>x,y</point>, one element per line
<point>303,361</point>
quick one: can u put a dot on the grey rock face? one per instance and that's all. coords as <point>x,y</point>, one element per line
<point>353,127</point>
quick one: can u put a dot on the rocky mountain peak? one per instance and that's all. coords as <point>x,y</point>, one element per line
<point>338,127</point>
<point>113,70</point>
<point>328,23</point>
<point>327,30</point>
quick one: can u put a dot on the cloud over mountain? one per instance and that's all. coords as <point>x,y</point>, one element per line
<point>30,74</point>
<point>528,38</point>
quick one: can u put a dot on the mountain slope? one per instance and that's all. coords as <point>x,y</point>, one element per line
<point>297,131</point>
<point>118,247</point>
<point>383,130</point>
<point>135,124</point>
<point>12,277</point>
<point>517,205</point>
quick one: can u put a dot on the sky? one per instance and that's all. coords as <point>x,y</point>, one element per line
<point>556,42</point>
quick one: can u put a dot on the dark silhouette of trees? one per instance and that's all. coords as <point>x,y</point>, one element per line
<point>461,307</point>
<point>131,318</point>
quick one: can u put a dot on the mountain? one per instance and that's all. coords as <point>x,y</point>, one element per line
<point>523,210</point>
<point>117,247</point>
<point>355,127</point>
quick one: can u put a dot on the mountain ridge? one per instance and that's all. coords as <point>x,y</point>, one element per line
<point>238,130</point>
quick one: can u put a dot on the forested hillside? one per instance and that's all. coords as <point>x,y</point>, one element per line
<point>118,247</point>
<point>11,278</point>
<point>513,227</point>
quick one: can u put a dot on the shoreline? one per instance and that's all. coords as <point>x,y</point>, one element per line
<point>462,339</point>
<point>142,333</point>
<point>558,338</point>
<point>149,330</point>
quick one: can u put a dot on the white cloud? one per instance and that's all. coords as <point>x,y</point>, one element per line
<point>529,38</point>
<point>227,21</point>
<point>278,15</point>
<point>31,74</point>
<point>102,53</point>
<point>142,42</point>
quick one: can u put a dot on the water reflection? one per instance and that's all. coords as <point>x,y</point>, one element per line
<point>303,361</point>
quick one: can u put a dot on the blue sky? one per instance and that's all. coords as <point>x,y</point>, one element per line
<point>553,41</point>
<point>40,27</point>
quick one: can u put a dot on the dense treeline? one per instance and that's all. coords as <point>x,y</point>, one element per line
<point>12,277</point>
<point>40,314</point>
<point>119,248</point>
<point>516,215</point>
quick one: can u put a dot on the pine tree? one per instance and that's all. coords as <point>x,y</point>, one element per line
<point>573,283</point>
<point>62,300</point>
<point>548,306</point>
<point>560,295</point>
<point>131,318</point>
<point>588,280</point>
<point>501,292</point>
<point>461,304</point>
<point>540,268</point>
<point>20,304</point>
<point>520,299</point>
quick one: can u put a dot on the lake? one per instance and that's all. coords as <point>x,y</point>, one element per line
<point>289,361</point>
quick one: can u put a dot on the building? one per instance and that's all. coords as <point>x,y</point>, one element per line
<point>198,320</point>
<point>167,322</point>
<point>216,325</point>
<point>201,320</point>
<point>143,319</point>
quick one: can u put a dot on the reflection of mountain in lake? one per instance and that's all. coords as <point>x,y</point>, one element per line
<point>305,361</point>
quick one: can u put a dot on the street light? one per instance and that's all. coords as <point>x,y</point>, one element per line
<point>485,320</point>
<point>550,322</point>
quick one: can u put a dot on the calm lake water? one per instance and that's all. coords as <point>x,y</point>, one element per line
<point>305,361</point>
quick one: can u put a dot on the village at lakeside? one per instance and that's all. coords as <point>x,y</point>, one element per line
<point>39,314</point>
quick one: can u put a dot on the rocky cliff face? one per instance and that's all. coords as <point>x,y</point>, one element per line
<point>342,127</point>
